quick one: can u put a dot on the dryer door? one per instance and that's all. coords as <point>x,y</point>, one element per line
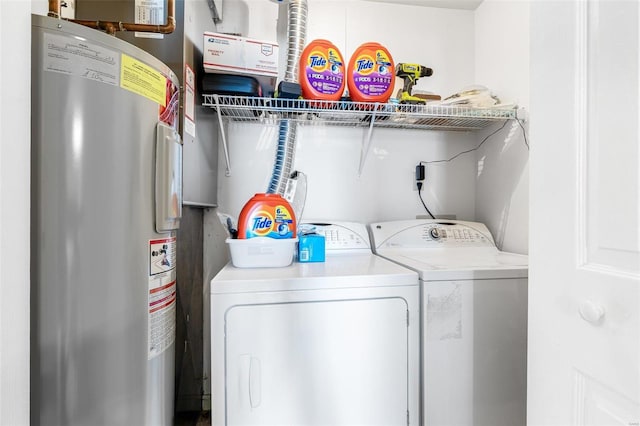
<point>340,362</point>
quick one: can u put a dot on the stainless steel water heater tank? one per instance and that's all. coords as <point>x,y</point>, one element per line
<point>106,201</point>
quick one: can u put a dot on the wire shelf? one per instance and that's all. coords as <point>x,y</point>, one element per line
<point>355,114</point>
<point>352,114</point>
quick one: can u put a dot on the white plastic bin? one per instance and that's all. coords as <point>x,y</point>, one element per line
<point>261,252</point>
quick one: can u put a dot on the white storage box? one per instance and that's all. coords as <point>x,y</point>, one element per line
<point>261,252</point>
<point>228,54</point>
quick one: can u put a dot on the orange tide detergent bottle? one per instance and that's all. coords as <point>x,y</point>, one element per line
<point>267,215</point>
<point>321,71</point>
<point>370,73</point>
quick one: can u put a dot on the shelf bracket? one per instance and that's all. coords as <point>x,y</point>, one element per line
<point>225,146</point>
<point>366,141</point>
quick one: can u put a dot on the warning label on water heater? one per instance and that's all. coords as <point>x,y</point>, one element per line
<point>162,318</point>
<point>162,255</point>
<point>140,78</point>
<point>162,295</point>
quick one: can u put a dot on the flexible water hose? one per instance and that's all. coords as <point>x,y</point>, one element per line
<point>297,32</point>
<point>284,157</point>
<point>297,35</point>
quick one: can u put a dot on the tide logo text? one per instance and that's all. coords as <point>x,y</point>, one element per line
<point>318,62</point>
<point>364,65</point>
<point>261,223</point>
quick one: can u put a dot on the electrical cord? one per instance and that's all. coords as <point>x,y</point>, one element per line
<point>524,133</point>
<point>419,184</point>
<point>468,150</point>
<point>420,174</point>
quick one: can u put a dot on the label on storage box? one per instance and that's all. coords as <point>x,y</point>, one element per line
<point>239,55</point>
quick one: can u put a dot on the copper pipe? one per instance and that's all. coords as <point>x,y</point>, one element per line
<point>111,27</point>
<point>54,8</point>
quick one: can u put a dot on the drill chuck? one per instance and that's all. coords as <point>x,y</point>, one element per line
<point>426,72</point>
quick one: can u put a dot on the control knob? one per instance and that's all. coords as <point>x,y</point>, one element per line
<point>435,233</point>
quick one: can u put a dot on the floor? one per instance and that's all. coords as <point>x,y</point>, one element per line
<point>192,418</point>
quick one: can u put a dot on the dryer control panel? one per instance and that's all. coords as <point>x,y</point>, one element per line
<point>430,233</point>
<point>340,235</point>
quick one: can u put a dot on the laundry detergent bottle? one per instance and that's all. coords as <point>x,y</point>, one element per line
<point>371,73</point>
<point>321,71</point>
<point>267,215</point>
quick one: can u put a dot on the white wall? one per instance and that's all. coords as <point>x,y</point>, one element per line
<point>438,38</point>
<point>434,37</point>
<point>330,156</point>
<point>502,64</point>
<point>502,49</point>
<point>15,45</point>
<point>39,7</point>
<point>502,187</point>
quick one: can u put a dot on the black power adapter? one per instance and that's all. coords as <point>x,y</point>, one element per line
<point>419,175</point>
<point>420,172</point>
<point>419,181</point>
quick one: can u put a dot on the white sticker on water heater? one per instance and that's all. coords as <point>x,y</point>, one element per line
<point>162,255</point>
<point>162,314</point>
<point>162,295</point>
<point>75,56</point>
<point>149,12</point>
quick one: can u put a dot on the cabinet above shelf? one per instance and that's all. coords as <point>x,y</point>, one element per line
<point>356,114</point>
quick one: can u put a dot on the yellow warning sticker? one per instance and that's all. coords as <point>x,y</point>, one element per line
<point>140,78</point>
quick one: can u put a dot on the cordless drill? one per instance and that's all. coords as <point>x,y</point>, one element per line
<point>410,73</point>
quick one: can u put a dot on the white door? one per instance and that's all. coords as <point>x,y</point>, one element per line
<point>334,362</point>
<point>584,292</point>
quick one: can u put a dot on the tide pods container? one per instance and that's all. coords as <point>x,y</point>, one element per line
<point>266,233</point>
<point>321,71</point>
<point>370,73</point>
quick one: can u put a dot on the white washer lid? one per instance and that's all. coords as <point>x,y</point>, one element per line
<point>446,249</point>
<point>436,264</point>
<point>338,271</point>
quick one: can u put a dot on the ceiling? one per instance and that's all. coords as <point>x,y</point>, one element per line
<point>448,4</point>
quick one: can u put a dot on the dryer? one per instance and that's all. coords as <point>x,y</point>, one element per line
<point>473,320</point>
<point>330,343</point>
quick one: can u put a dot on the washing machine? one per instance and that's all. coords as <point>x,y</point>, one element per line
<point>323,343</point>
<point>473,320</point>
